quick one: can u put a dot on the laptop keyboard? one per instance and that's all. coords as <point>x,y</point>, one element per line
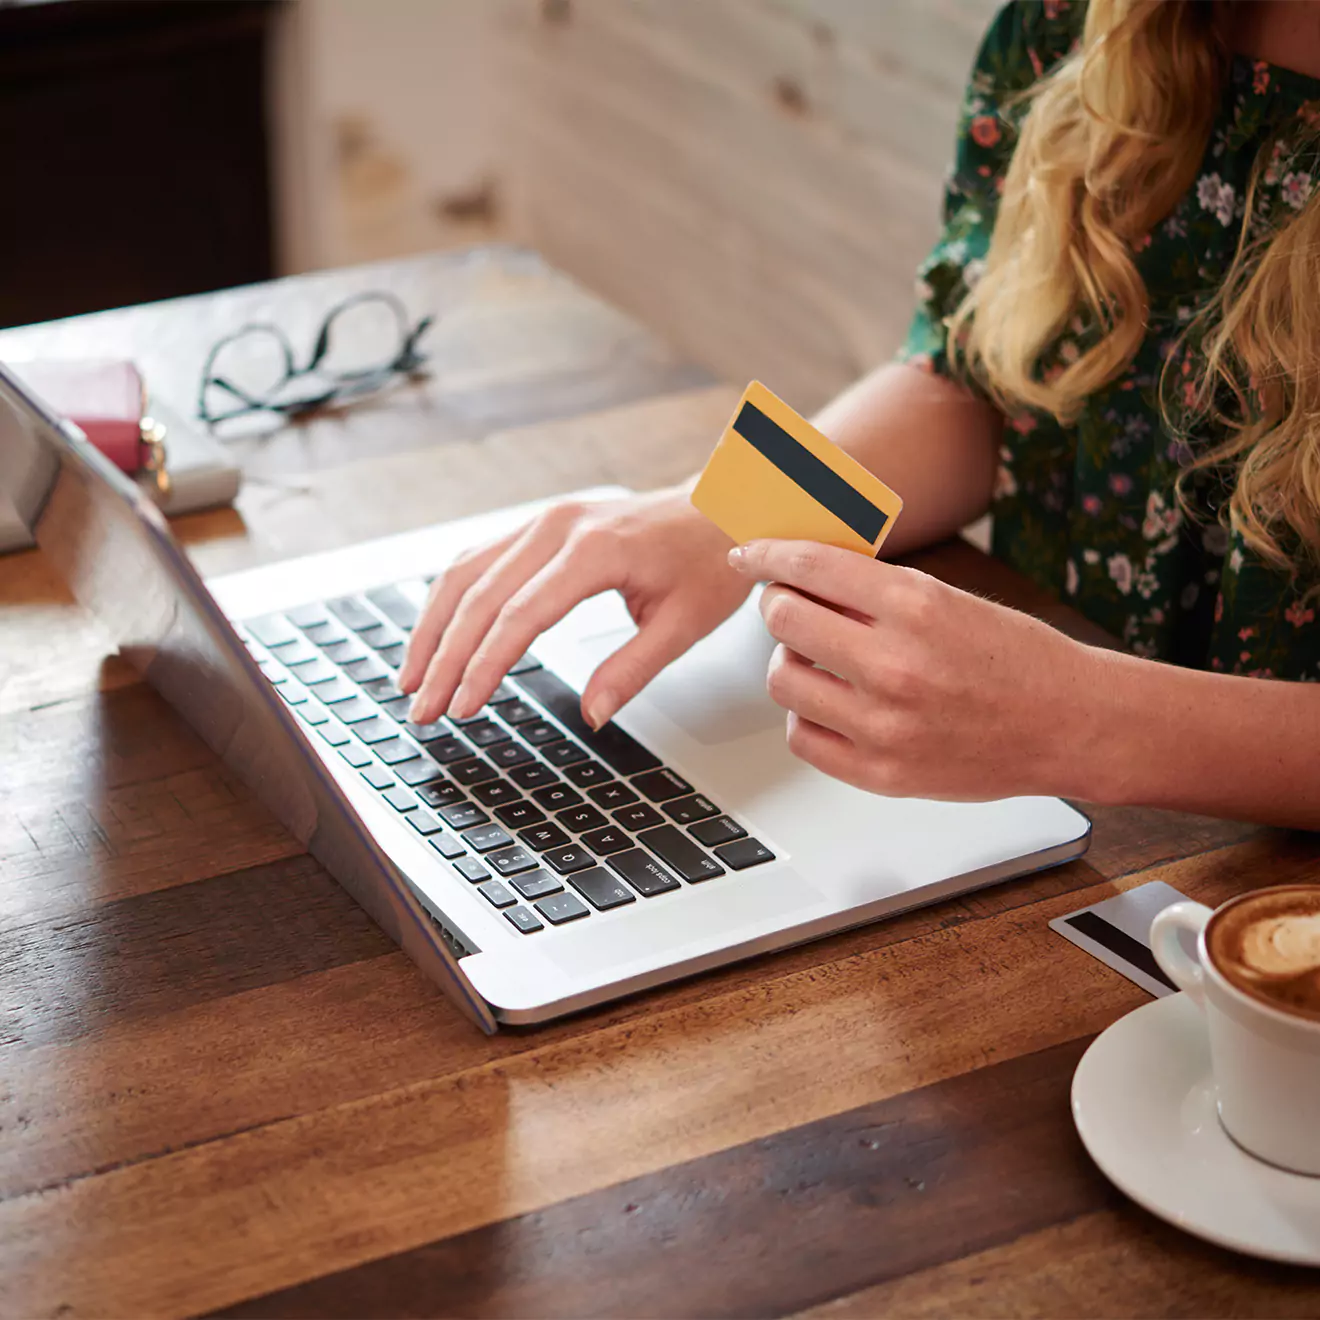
<point>549,820</point>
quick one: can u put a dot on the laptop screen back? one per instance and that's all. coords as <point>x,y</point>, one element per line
<point>114,549</point>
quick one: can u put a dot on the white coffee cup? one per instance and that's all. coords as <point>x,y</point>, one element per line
<point>1266,1061</point>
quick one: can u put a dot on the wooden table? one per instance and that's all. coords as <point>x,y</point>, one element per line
<point>223,1088</point>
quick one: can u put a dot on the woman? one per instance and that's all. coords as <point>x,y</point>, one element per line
<point>1117,353</point>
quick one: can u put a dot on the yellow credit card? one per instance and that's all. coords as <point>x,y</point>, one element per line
<point>773,475</point>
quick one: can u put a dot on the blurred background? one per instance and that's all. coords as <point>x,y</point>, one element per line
<point>757,180</point>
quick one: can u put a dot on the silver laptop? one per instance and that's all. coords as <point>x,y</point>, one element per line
<point>529,866</point>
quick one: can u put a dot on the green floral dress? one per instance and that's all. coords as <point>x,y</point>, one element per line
<point>1088,510</point>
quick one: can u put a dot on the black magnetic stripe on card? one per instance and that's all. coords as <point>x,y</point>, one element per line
<point>1119,943</point>
<point>802,467</point>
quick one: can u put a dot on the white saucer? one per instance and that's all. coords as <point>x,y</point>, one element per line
<point>1144,1103</point>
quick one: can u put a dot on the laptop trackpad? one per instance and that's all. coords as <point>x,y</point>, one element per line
<point>698,920</point>
<point>715,692</point>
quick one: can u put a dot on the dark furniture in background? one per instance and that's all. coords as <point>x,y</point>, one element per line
<point>134,152</point>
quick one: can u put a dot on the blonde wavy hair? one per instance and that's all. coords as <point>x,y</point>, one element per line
<point>1112,139</point>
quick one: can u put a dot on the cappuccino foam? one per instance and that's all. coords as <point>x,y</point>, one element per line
<point>1268,946</point>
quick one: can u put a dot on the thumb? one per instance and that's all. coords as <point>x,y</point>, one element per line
<point>624,673</point>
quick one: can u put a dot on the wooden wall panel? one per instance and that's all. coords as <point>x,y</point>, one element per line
<point>757,179</point>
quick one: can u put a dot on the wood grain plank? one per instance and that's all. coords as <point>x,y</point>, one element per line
<point>1107,1263</point>
<point>873,1193</point>
<point>574,1111</point>
<point>211,938</point>
<point>109,795</point>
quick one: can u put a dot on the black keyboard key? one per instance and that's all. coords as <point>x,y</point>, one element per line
<point>533,776</point>
<point>601,889</point>
<point>272,630</point>
<point>496,794</point>
<point>464,816</point>
<point>663,784</point>
<point>517,712</point>
<point>609,840</point>
<point>463,720</point>
<point>295,694</point>
<point>382,689</point>
<point>423,822</point>
<point>395,606</point>
<point>519,815</point>
<point>494,892</point>
<point>528,662</point>
<point>323,634</point>
<point>335,734</point>
<point>441,795</point>
<point>559,908</point>
<point>563,753</point>
<point>643,872</point>
<point>365,670</point>
<point>615,747</point>
<point>640,817</point>
<point>471,869</point>
<point>538,883</point>
<point>511,861</point>
<point>352,613</point>
<point>393,655</point>
<point>486,838</point>
<point>396,751</point>
<point>678,851</point>
<point>313,713</point>
<point>588,774</point>
<point>447,846</point>
<point>316,672</point>
<point>344,652</point>
<point>420,770</point>
<point>308,616</point>
<point>611,796</point>
<point>542,837</point>
<point>582,818</point>
<point>376,730</point>
<point>397,709</point>
<point>524,919</point>
<point>539,732</point>
<point>355,711</point>
<point>502,694</point>
<point>744,853</point>
<point>378,777</point>
<point>484,733</point>
<point>356,755</point>
<point>688,810</point>
<point>333,694</point>
<point>507,755</point>
<point>299,654</point>
<point>572,858</point>
<point>379,636</point>
<point>446,749</point>
<point>428,733</point>
<point>474,771</point>
<point>723,829</point>
<point>557,797</point>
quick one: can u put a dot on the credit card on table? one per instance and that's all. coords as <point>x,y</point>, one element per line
<point>774,475</point>
<point>1117,931</point>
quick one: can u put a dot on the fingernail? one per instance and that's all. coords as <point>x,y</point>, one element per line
<point>601,710</point>
<point>461,706</point>
<point>736,557</point>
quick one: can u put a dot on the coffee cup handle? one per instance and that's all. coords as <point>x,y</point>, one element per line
<point>1183,970</point>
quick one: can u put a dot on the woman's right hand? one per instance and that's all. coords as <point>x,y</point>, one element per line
<point>669,564</point>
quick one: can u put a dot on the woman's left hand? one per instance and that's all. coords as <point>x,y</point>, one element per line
<point>922,690</point>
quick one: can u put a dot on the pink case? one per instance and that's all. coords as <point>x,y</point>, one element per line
<point>105,399</point>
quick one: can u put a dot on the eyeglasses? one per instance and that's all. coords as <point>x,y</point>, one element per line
<point>362,344</point>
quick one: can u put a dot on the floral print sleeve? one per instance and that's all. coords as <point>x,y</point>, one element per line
<point>1088,511</point>
<point>1024,41</point>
